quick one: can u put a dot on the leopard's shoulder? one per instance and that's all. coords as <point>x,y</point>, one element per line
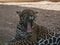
<point>42,32</point>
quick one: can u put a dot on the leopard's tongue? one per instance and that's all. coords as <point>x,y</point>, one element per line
<point>29,28</point>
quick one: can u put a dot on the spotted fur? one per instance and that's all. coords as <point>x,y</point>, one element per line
<point>54,40</point>
<point>38,32</point>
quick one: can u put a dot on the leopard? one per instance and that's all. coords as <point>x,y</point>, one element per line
<point>28,32</point>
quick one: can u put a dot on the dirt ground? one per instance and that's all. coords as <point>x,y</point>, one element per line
<point>48,16</point>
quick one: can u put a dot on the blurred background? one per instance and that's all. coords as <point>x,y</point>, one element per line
<point>27,0</point>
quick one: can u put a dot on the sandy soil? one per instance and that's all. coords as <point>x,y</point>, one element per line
<point>48,16</point>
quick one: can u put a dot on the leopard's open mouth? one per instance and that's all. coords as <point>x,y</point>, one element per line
<point>29,23</point>
<point>29,28</point>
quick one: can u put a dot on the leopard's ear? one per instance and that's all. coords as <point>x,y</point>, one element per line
<point>36,12</point>
<point>18,12</point>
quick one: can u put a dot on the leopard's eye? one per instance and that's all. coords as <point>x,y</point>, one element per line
<point>31,17</point>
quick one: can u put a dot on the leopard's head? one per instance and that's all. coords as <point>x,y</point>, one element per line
<point>27,16</point>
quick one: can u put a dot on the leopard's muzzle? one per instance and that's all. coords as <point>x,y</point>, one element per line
<point>28,21</point>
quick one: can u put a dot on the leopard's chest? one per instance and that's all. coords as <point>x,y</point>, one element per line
<point>27,35</point>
